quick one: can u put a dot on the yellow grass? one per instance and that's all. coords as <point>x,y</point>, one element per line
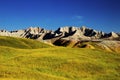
<point>58,63</point>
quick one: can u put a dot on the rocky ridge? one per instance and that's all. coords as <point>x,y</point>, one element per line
<point>68,33</point>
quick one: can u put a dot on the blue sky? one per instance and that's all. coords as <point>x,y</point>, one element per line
<point>50,14</point>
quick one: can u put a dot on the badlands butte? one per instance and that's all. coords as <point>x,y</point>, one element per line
<point>76,37</point>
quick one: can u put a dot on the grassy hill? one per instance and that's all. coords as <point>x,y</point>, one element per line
<point>106,45</point>
<point>21,43</point>
<point>56,63</point>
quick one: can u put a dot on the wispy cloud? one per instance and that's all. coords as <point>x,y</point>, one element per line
<point>78,17</point>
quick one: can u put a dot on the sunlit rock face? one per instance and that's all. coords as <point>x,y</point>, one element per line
<point>67,32</point>
<point>32,32</point>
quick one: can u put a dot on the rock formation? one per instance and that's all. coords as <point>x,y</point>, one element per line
<point>67,33</point>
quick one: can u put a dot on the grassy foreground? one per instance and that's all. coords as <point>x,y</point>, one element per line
<point>58,63</point>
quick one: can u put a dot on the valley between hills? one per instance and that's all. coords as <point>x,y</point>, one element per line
<point>68,53</point>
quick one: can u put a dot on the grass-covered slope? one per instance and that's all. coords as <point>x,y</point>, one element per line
<point>20,60</point>
<point>21,43</point>
<point>106,45</point>
<point>58,64</point>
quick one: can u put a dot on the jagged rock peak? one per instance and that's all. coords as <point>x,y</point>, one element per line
<point>70,28</point>
<point>73,28</point>
<point>3,31</point>
<point>68,32</point>
<point>114,35</point>
<point>34,30</point>
<point>64,29</point>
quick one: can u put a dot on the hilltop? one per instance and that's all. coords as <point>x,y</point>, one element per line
<point>22,43</point>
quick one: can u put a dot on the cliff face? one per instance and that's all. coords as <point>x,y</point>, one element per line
<point>32,33</point>
<point>84,33</point>
<point>68,33</point>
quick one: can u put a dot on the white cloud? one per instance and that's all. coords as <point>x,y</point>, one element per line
<point>78,17</point>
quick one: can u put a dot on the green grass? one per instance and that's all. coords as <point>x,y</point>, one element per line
<point>22,43</point>
<point>58,63</point>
